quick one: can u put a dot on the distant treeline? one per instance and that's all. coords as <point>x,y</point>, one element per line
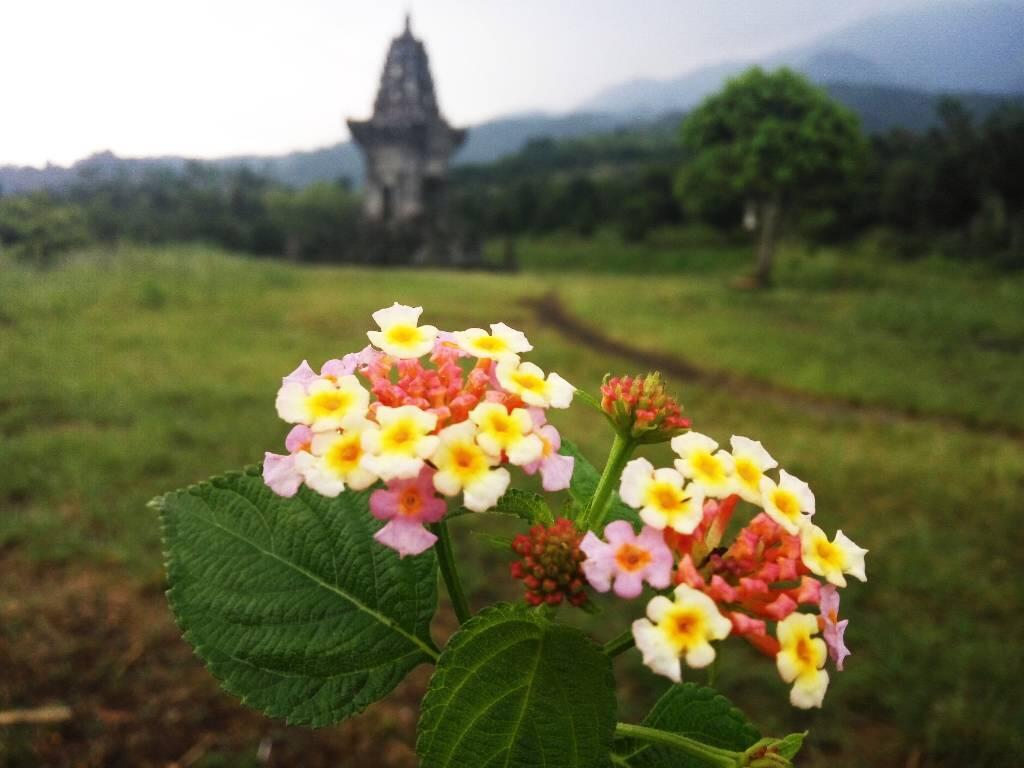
<point>958,187</point>
<point>234,208</point>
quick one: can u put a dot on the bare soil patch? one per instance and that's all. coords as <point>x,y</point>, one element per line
<point>108,650</point>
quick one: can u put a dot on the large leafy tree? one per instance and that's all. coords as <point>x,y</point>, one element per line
<point>775,142</point>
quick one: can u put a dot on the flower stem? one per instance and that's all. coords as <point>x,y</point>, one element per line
<point>621,450</point>
<point>714,756</point>
<point>446,561</point>
<point>620,644</point>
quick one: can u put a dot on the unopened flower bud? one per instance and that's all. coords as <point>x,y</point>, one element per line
<point>640,407</point>
<point>550,564</point>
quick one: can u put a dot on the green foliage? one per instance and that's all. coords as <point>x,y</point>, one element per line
<point>513,688</point>
<point>319,222</point>
<point>526,505</point>
<point>37,228</point>
<point>696,712</point>
<point>584,481</point>
<point>290,602</point>
<point>768,135</point>
<point>154,399</point>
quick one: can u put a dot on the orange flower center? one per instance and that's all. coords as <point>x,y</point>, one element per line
<point>632,558</point>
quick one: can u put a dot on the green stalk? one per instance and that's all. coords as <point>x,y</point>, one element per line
<point>622,448</point>
<point>446,561</point>
<point>620,644</point>
<point>721,758</point>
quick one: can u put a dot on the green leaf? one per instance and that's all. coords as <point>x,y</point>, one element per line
<point>526,505</point>
<point>584,475</point>
<point>514,689</point>
<point>790,745</point>
<point>290,602</point>
<point>697,712</point>
<point>584,483</point>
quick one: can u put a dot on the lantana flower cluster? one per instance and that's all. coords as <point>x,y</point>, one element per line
<point>773,571</point>
<point>431,414</point>
<point>424,416</point>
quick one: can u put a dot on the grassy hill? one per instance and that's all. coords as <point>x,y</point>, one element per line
<point>133,372</point>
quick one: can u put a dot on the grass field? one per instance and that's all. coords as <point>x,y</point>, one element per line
<point>132,372</point>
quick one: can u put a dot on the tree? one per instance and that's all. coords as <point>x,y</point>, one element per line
<point>775,141</point>
<point>1004,134</point>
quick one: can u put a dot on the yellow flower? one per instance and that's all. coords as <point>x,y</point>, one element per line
<point>831,559</point>
<point>337,463</point>
<point>324,404</point>
<point>750,461</point>
<point>801,658</point>
<point>400,335</point>
<point>789,503</point>
<point>683,627</point>
<point>500,344</point>
<point>698,461</point>
<point>508,432</point>
<point>401,442</point>
<point>528,382</point>
<point>463,466</point>
<point>661,496</point>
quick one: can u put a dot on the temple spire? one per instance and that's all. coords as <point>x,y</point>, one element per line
<point>407,142</point>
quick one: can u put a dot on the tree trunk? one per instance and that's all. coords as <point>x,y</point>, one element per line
<point>510,260</point>
<point>769,224</point>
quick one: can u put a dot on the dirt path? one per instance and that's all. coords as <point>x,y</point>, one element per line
<point>549,310</point>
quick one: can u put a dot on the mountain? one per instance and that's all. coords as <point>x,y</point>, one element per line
<point>487,142</point>
<point>940,47</point>
<point>889,69</point>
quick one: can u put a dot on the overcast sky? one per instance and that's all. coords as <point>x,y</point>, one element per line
<point>208,78</point>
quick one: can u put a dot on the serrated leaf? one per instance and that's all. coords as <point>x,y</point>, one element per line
<point>584,484</point>
<point>697,712</point>
<point>514,689</point>
<point>290,602</point>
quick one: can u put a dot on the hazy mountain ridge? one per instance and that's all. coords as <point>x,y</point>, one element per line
<point>943,47</point>
<point>889,69</point>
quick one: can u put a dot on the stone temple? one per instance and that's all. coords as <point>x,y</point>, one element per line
<point>407,143</point>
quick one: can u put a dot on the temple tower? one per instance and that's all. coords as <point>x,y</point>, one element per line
<point>407,143</point>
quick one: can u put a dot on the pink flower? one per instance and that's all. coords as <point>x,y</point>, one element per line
<point>833,630</point>
<point>407,505</point>
<point>555,469</point>
<point>627,558</point>
<point>302,375</point>
<point>284,474</point>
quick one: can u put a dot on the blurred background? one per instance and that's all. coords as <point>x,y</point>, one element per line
<point>809,216</point>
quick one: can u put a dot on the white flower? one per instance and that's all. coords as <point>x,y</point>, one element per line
<point>801,658</point>
<point>661,496</point>
<point>680,628</point>
<point>750,461</point>
<point>500,344</point>
<point>336,463</point>
<point>502,431</point>
<point>831,559</point>
<point>401,443</point>
<point>400,335</point>
<point>698,461</point>
<point>324,404</point>
<point>528,382</point>
<point>463,466</point>
<point>789,503</point>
